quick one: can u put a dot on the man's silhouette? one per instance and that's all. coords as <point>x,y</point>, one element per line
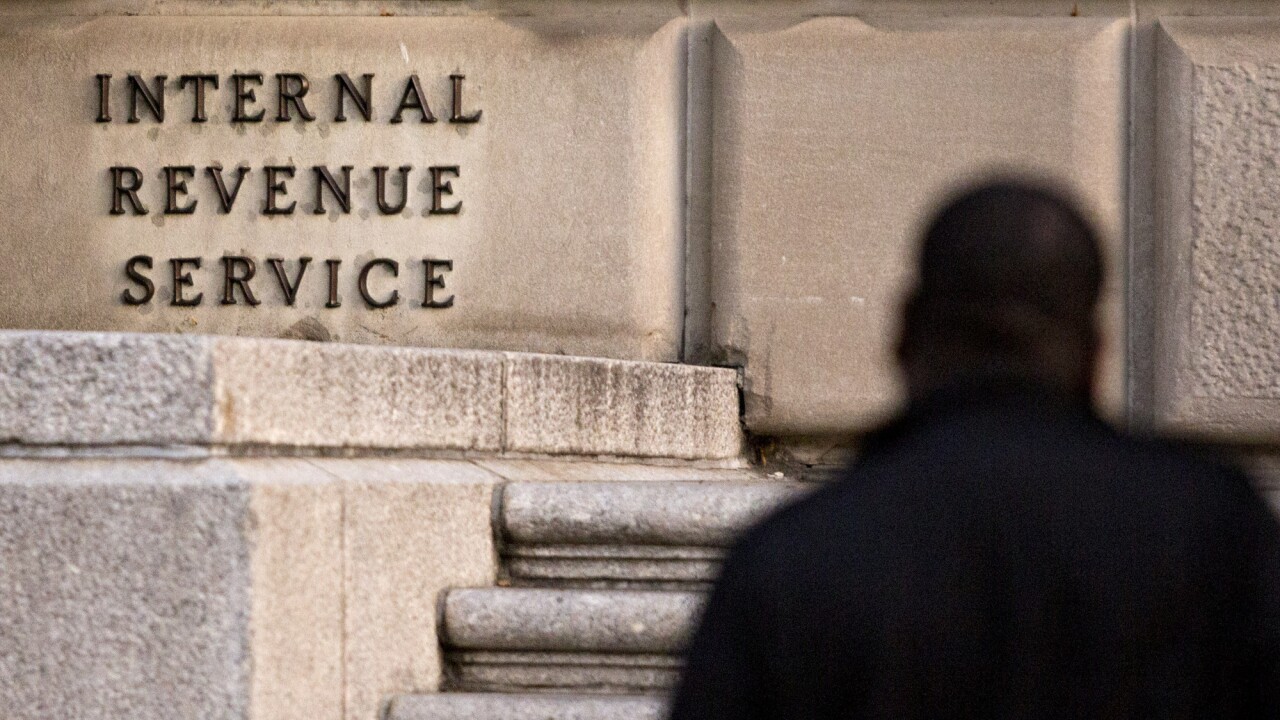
<point>997,551</point>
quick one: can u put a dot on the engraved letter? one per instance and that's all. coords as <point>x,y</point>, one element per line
<point>346,88</point>
<point>104,98</point>
<point>181,278</point>
<point>155,102</point>
<point>148,287</point>
<point>441,188</point>
<point>197,113</point>
<point>333,301</point>
<point>286,94</point>
<point>435,281</point>
<point>245,96</point>
<point>230,280</point>
<point>380,176</point>
<point>227,198</point>
<point>275,188</point>
<point>120,191</point>
<point>393,298</point>
<point>455,112</point>
<point>176,187</point>
<point>341,194</point>
<point>413,99</point>
<point>290,290</point>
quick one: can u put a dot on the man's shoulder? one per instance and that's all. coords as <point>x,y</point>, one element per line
<point>872,490</point>
<point>783,538</point>
<point>1168,458</point>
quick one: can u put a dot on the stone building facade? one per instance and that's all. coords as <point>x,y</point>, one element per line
<point>420,358</point>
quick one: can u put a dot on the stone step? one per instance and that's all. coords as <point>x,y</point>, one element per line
<point>641,534</point>
<point>554,671</point>
<point>531,619</point>
<point>527,706</point>
<point>511,639</point>
<point>84,391</point>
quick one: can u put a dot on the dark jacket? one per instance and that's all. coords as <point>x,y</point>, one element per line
<point>999,553</point>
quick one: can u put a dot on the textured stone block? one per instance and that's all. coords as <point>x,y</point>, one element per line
<point>563,405</point>
<point>100,389</point>
<point>126,591</point>
<point>297,590</point>
<point>104,388</point>
<point>246,589</point>
<point>484,706</point>
<point>832,139</point>
<point>309,394</point>
<point>569,233</point>
<point>413,528</point>
<point>1217,320</point>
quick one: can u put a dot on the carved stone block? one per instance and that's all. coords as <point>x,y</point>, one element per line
<point>516,184</point>
<point>1218,319</point>
<point>833,139</point>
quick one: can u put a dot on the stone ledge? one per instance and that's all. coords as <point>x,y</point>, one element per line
<point>620,621</point>
<point>486,706</point>
<point>94,389</point>
<point>669,513</point>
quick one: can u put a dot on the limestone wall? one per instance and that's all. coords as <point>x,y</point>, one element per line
<point>734,183</point>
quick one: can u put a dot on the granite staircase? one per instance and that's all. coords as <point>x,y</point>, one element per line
<point>263,529</point>
<point>599,588</point>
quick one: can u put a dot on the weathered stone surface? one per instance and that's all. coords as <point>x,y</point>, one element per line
<point>696,514</point>
<point>246,589</point>
<point>297,590</point>
<point>832,139</point>
<point>564,620</point>
<point>125,590</point>
<point>559,405</point>
<point>485,706</point>
<point>1218,325</point>
<point>413,528</point>
<point>104,388</point>
<point>293,393</point>
<point>569,234</point>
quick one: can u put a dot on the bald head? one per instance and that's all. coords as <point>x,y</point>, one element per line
<point>1009,276</point>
